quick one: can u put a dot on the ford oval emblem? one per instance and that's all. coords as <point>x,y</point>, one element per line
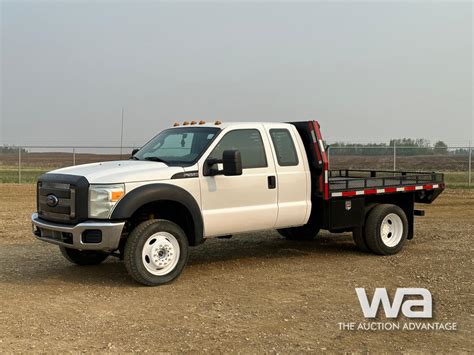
<point>52,200</point>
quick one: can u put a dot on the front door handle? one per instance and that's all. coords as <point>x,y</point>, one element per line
<point>272,182</point>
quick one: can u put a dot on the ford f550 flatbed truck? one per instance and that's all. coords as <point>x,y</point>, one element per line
<point>199,180</point>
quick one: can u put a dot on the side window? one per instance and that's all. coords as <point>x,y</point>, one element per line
<point>250,144</point>
<point>284,147</point>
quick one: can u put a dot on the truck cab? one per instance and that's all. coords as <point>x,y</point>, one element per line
<point>202,180</point>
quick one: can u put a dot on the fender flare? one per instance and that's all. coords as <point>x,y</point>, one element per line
<point>143,195</point>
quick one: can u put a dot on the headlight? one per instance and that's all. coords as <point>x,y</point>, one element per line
<point>102,199</point>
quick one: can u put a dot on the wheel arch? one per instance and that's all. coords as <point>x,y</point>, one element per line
<point>168,202</point>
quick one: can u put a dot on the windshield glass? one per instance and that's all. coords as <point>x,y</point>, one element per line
<point>178,146</point>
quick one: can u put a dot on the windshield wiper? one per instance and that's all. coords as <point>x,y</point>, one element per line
<point>156,159</point>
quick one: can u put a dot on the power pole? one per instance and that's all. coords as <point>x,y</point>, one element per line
<point>394,155</point>
<point>121,137</point>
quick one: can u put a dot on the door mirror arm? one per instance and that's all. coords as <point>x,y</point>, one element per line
<point>209,169</point>
<point>231,160</point>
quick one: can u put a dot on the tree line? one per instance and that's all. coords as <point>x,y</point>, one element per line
<point>11,150</point>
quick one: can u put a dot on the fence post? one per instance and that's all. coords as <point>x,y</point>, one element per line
<point>328,148</point>
<point>394,156</point>
<point>73,156</point>
<point>470,165</point>
<point>19,165</point>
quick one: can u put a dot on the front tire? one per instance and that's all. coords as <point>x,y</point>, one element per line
<point>156,252</point>
<point>83,257</point>
<point>386,229</point>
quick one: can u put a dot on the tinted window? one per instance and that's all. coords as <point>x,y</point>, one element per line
<point>249,142</point>
<point>284,147</point>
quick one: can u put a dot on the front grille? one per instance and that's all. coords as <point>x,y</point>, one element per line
<point>67,196</point>
<point>65,209</point>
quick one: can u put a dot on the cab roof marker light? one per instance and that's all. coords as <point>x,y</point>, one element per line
<point>202,122</point>
<point>185,123</point>
<point>217,123</point>
<point>176,124</point>
<point>193,122</point>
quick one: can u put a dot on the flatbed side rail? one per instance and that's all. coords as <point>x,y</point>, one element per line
<point>344,182</point>
<point>363,173</point>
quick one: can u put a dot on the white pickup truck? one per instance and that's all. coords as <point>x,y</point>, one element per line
<point>199,180</point>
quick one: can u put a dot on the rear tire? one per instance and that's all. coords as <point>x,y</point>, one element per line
<point>386,229</point>
<point>306,232</point>
<point>83,257</point>
<point>358,235</point>
<point>156,252</point>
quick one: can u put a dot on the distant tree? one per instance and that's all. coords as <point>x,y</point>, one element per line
<point>461,151</point>
<point>9,149</point>
<point>441,148</point>
<point>410,146</point>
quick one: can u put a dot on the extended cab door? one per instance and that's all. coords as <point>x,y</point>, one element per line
<point>235,204</point>
<point>294,177</point>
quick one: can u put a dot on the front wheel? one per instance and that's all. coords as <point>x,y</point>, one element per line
<point>83,257</point>
<point>156,252</point>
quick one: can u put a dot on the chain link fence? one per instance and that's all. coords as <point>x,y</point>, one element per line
<point>24,164</point>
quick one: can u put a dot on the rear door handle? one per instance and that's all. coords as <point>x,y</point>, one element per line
<point>272,182</point>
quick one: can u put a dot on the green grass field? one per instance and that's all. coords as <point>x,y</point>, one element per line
<point>28,175</point>
<point>9,174</point>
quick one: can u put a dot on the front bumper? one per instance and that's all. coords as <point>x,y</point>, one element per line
<point>73,236</point>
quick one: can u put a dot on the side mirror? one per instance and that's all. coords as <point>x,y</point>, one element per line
<point>135,151</point>
<point>232,162</point>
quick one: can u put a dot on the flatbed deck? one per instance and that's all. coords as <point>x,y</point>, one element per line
<point>338,183</point>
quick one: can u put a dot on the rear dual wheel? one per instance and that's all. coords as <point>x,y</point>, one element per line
<point>385,230</point>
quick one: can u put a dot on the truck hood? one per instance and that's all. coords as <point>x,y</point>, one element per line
<point>122,171</point>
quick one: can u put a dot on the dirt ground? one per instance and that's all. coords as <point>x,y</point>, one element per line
<point>253,293</point>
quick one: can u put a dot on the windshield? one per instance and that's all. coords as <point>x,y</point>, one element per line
<point>178,146</point>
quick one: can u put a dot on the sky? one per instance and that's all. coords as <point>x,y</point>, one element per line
<point>367,71</point>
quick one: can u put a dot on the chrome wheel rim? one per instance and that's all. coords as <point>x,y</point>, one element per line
<point>391,230</point>
<point>160,253</point>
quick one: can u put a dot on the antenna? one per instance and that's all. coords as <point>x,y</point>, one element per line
<point>121,137</point>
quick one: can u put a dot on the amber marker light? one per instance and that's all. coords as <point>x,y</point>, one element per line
<point>116,195</point>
